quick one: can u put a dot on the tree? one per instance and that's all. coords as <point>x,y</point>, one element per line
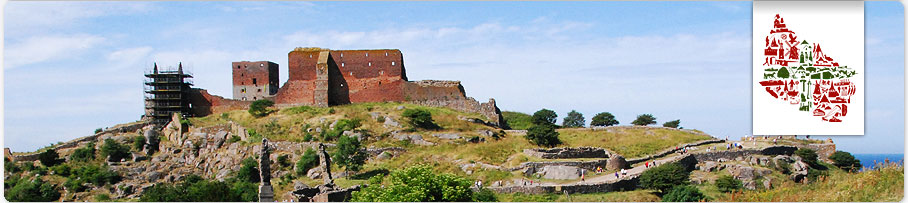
<point>349,154</point>
<point>86,153</point>
<point>808,156</point>
<point>259,108</point>
<point>574,119</point>
<point>783,73</point>
<point>544,116</point>
<point>308,161</point>
<point>672,124</point>
<point>249,172</point>
<point>418,184</point>
<point>644,119</point>
<point>845,161</point>
<point>420,118</point>
<point>664,177</point>
<point>32,191</point>
<point>49,157</point>
<point>195,189</point>
<point>604,119</point>
<point>114,150</point>
<point>683,193</point>
<point>727,183</point>
<point>543,135</point>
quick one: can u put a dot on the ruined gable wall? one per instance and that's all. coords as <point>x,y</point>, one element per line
<point>204,103</point>
<point>369,75</point>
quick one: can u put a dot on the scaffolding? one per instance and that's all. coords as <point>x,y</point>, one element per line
<point>166,93</point>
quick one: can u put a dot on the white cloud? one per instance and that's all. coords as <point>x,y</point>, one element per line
<point>43,48</point>
<point>24,16</point>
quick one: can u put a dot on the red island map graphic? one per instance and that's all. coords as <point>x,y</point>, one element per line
<point>799,73</point>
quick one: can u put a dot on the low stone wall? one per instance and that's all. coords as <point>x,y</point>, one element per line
<point>671,150</point>
<point>121,128</point>
<point>536,166</point>
<point>568,153</point>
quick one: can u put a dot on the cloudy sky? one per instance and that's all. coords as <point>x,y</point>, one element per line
<point>71,67</point>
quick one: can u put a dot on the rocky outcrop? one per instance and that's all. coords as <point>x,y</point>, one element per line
<point>568,153</point>
<point>616,162</point>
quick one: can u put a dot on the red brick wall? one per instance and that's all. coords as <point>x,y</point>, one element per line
<point>264,71</point>
<point>204,103</point>
<point>302,65</point>
<point>433,90</point>
<point>295,92</point>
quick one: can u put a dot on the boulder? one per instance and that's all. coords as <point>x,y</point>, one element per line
<point>749,184</point>
<point>390,122</point>
<point>616,162</point>
<point>153,176</point>
<point>799,166</point>
<point>314,173</point>
<point>448,136</point>
<point>742,172</point>
<point>383,156</point>
<point>709,166</point>
<point>560,172</point>
<point>798,176</point>
<point>767,183</point>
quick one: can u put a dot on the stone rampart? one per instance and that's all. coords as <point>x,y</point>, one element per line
<point>671,150</point>
<point>568,153</point>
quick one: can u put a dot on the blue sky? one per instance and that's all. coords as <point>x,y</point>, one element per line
<point>71,67</point>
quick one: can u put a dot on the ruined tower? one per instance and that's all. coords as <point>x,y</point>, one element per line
<point>254,80</point>
<point>165,94</point>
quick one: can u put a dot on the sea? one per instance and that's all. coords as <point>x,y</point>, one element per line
<point>867,160</point>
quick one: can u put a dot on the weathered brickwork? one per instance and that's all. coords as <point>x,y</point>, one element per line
<point>322,77</point>
<point>203,103</point>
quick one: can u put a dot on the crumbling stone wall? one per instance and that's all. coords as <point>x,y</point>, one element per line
<point>568,153</point>
<point>203,103</point>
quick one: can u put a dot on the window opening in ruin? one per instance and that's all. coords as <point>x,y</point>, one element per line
<point>342,55</point>
<point>381,72</point>
<point>386,53</point>
<point>392,63</point>
<point>261,65</point>
<point>253,81</point>
<point>342,64</point>
<point>254,98</point>
<point>370,63</point>
<point>310,55</point>
<point>244,98</point>
<point>351,73</point>
<point>243,90</point>
<point>342,85</point>
<point>260,90</point>
<point>237,67</point>
<point>367,54</point>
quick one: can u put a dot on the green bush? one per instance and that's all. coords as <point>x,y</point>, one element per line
<point>727,183</point>
<point>83,154</point>
<point>195,189</point>
<point>75,185</point>
<point>249,172</point>
<point>349,154</point>
<point>808,156</point>
<point>604,119</point>
<point>308,161</point>
<point>97,175</point>
<point>544,117</point>
<point>420,118</point>
<point>845,161</point>
<point>98,130</point>
<point>138,143</point>
<point>574,119</point>
<point>283,160</point>
<point>664,177</point>
<point>645,119</point>
<point>339,128</point>
<point>49,157</point>
<point>102,197</point>
<point>233,139</point>
<point>684,193</point>
<point>672,124</point>
<point>61,169</point>
<point>307,137</point>
<point>543,135</point>
<point>485,195</point>
<point>114,149</point>
<point>11,167</point>
<point>259,108</point>
<point>418,184</point>
<point>32,191</point>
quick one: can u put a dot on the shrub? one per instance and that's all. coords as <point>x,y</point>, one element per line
<point>283,160</point>
<point>233,139</point>
<point>339,128</point>
<point>543,135</point>
<point>307,137</point>
<point>32,191</point>
<point>845,161</point>
<point>418,184</point>
<point>308,161</point>
<point>808,156</point>
<point>98,130</point>
<point>574,119</point>
<point>259,108</point>
<point>102,197</point>
<point>484,195</point>
<point>544,117</point>
<point>727,183</point>
<point>420,118</point>
<point>683,193</point>
<point>249,172</point>
<point>86,153</point>
<point>672,124</point>
<point>644,119</point>
<point>195,189</point>
<point>138,143</point>
<point>75,185</point>
<point>664,177</point>
<point>49,157</point>
<point>349,154</point>
<point>97,175</point>
<point>61,170</point>
<point>604,119</point>
<point>114,150</point>
<point>11,167</point>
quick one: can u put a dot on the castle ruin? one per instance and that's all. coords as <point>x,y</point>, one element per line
<point>323,77</point>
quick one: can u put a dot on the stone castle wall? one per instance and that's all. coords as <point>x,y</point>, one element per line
<point>254,80</point>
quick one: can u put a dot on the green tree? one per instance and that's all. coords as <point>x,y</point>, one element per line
<point>195,189</point>
<point>138,143</point>
<point>83,154</point>
<point>114,150</point>
<point>672,124</point>
<point>808,156</point>
<point>783,73</point>
<point>418,184</point>
<point>684,193</point>
<point>845,161</point>
<point>308,161</point>
<point>604,119</point>
<point>259,108</point>
<point>49,157</point>
<point>644,119</point>
<point>664,177</point>
<point>420,118</point>
<point>727,183</point>
<point>349,154</point>
<point>543,135</point>
<point>32,191</point>
<point>574,119</point>
<point>544,117</point>
<point>249,172</point>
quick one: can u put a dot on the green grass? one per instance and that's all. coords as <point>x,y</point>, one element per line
<point>517,120</point>
<point>623,196</point>
<point>630,142</point>
<point>883,185</point>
